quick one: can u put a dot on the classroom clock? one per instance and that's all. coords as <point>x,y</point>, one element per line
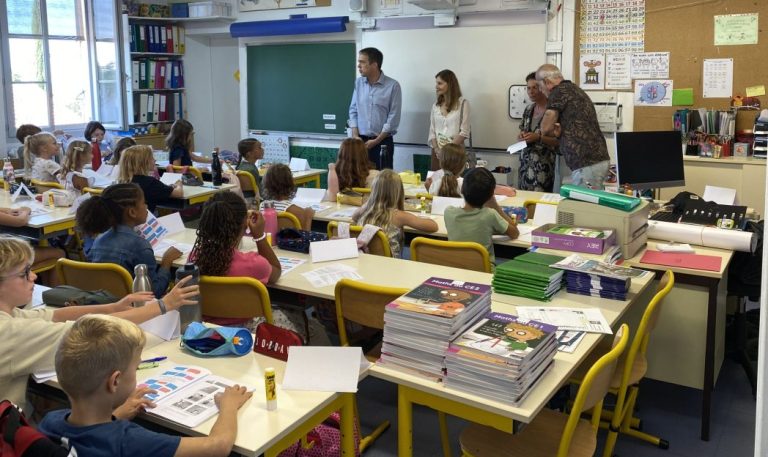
<point>518,100</point>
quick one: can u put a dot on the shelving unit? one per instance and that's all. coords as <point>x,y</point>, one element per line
<point>154,59</point>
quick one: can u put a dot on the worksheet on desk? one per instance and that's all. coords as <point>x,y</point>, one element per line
<point>590,320</point>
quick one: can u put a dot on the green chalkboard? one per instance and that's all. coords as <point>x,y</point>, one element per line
<point>300,87</point>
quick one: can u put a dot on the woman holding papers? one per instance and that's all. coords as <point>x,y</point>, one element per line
<point>112,216</point>
<point>537,160</point>
<point>449,118</point>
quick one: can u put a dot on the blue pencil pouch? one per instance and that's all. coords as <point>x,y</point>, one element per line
<point>216,341</point>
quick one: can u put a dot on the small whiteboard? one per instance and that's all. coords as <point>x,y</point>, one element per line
<point>276,148</point>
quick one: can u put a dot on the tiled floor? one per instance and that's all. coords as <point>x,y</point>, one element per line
<point>669,410</point>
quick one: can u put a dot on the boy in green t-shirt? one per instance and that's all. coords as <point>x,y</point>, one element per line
<point>481,217</point>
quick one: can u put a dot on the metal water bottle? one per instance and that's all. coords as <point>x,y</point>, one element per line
<point>190,313</point>
<point>141,282</point>
<point>382,156</point>
<point>216,171</point>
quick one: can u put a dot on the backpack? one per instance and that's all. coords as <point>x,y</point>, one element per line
<point>323,440</point>
<point>22,439</point>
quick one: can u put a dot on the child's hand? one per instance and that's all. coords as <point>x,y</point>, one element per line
<point>256,224</point>
<point>181,295</point>
<point>232,398</point>
<point>135,404</point>
<point>126,302</point>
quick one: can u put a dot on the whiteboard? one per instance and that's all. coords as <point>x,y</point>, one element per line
<point>486,60</point>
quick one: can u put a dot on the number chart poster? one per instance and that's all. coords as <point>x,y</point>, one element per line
<point>612,27</point>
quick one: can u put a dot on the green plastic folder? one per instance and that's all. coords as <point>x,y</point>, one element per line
<point>539,258</point>
<point>601,197</point>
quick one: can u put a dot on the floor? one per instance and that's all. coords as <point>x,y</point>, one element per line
<point>670,410</point>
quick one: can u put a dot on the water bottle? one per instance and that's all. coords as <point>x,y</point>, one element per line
<point>9,177</point>
<point>270,221</point>
<point>189,313</point>
<point>216,168</point>
<point>141,282</point>
<point>382,156</point>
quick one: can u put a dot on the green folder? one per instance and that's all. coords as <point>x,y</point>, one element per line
<point>601,197</point>
<point>539,258</point>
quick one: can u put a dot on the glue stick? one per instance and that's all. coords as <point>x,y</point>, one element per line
<point>271,388</point>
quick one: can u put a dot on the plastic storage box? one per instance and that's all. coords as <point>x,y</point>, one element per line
<point>210,9</point>
<point>180,9</point>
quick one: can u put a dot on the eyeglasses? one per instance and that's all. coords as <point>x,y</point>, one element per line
<point>24,274</point>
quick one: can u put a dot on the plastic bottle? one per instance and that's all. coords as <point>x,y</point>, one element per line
<point>382,156</point>
<point>270,221</point>
<point>190,313</point>
<point>9,177</point>
<point>141,282</point>
<point>216,168</point>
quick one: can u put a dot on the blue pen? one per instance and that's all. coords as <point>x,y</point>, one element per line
<point>156,359</point>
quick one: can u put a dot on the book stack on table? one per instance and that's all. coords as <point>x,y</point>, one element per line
<point>501,357</point>
<point>598,279</point>
<point>419,325</point>
<point>528,275</point>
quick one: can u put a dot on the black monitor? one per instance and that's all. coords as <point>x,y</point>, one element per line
<point>649,160</point>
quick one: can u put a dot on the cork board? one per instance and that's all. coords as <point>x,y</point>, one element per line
<point>685,28</point>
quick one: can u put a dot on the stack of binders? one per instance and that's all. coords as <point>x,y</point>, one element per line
<point>528,275</point>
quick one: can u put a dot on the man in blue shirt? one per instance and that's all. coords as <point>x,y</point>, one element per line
<point>374,113</point>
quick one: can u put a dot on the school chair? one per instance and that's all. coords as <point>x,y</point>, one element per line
<point>625,383</point>
<point>248,184</point>
<point>458,254</point>
<point>552,433</point>
<point>287,220</point>
<point>44,186</point>
<point>364,304</point>
<point>195,171</point>
<point>93,190</point>
<point>234,298</point>
<point>379,245</point>
<point>530,206</point>
<point>88,276</point>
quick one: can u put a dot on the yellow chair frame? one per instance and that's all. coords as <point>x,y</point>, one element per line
<point>93,190</point>
<point>363,304</point>
<point>239,297</point>
<point>379,245</point>
<point>479,440</point>
<point>195,171</point>
<point>87,275</point>
<point>287,220</point>
<point>43,186</point>
<point>458,254</point>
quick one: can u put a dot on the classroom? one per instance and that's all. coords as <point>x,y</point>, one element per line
<point>278,90</point>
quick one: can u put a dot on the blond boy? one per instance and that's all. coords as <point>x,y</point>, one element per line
<point>96,366</point>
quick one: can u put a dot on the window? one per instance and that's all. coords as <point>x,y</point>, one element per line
<point>53,57</point>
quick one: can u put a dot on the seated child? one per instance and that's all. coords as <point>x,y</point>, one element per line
<point>30,336</point>
<point>112,216</point>
<point>121,145</point>
<point>446,182</point>
<point>384,209</point>
<point>22,133</point>
<point>137,165</point>
<point>352,168</point>
<point>481,217</point>
<point>96,365</point>
<point>71,175</point>
<point>249,151</point>
<point>180,142</point>
<point>279,188</point>
<point>39,151</point>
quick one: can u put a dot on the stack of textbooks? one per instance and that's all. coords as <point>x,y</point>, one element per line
<point>528,275</point>
<point>501,357</point>
<point>598,279</point>
<point>419,325</point>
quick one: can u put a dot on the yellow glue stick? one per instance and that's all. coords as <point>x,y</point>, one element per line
<point>271,388</point>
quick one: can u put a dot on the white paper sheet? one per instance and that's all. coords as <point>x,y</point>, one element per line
<point>589,320</point>
<point>330,275</point>
<point>173,223</point>
<point>288,263</point>
<point>544,214</point>
<point>517,147</point>
<point>298,164</point>
<point>719,195</point>
<point>96,179</point>
<point>161,246</point>
<point>440,203</point>
<point>322,368</point>
<point>345,213</point>
<point>166,326</point>
<point>718,78</point>
<point>170,178</point>
<point>307,197</point>
<point>323,251</point>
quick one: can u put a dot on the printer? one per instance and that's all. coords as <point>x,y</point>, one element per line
<point>631,226</point>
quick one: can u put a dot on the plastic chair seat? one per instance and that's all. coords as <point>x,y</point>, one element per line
<point>540,438</point>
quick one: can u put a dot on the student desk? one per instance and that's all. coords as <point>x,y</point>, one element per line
<point>194,195</point>
<point>54,223</point>
<point>261,431</point>
<point>311,176</point>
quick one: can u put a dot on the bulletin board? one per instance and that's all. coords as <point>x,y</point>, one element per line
<point>686,30</point>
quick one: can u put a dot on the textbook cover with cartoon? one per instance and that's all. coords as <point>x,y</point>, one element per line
<point>505,336</point>
<point>444,298</point>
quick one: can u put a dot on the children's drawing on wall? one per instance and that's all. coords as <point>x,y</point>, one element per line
<point>653,92</point>
<point>592,71</point>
